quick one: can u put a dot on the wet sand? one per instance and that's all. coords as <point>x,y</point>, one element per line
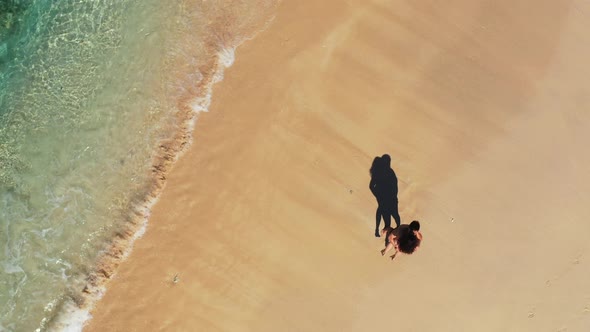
<point>267,221</point>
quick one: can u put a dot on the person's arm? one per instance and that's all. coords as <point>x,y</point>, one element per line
<point>395,246</point>
<point>390,245</point>
<point>419,236</point>
<point>391,238</point>
<point>387,248</point>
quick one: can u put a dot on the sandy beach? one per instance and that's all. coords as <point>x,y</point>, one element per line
<point>267,221</point>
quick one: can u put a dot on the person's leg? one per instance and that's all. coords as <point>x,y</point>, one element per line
<point>387,248</point>
<point>386,232</point>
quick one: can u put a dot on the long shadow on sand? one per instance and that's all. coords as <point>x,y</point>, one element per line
<point>383,185</point>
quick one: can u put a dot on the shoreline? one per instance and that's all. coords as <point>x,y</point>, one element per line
<point>266,221</point>
<point>78,314</point>
<point>75,313</point>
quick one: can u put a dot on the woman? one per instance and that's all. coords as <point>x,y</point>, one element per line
<point>405,239</point>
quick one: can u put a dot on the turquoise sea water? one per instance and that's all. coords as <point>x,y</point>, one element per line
<point>91,93</point>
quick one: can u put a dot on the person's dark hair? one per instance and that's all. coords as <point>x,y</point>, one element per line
<point>407,242</point>
<point>415,225</point>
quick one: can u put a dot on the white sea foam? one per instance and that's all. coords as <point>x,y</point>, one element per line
<point>201,104</point>
<point>72,321</point>
<point>72,318</point>
<point>226,58</point>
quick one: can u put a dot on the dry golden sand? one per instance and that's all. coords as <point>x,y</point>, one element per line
<point>484,107</point>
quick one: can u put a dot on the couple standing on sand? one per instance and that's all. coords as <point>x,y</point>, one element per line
<point>383,185</point>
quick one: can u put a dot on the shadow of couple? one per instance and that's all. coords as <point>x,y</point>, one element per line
<point>383,185</point>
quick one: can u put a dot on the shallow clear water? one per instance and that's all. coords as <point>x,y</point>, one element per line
<point>76,139</point>
<point>90,94</point>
